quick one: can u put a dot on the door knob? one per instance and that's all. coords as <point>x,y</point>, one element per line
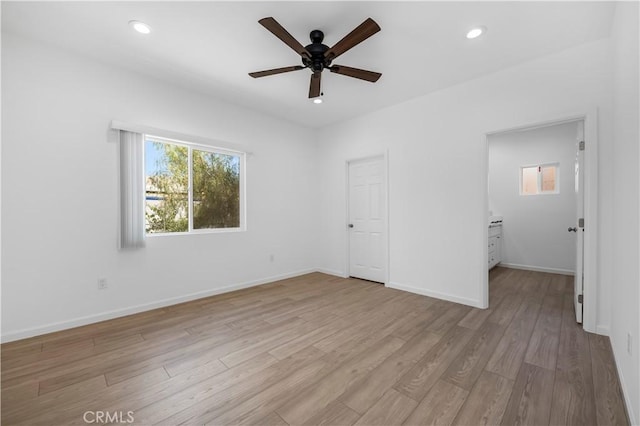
<point>574,229</point>
<point>351,225</point>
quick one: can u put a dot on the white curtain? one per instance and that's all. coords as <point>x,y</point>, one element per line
<point>132,190</point>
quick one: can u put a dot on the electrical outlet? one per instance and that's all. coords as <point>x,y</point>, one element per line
<point>102,284</point>
<point>629,343</point>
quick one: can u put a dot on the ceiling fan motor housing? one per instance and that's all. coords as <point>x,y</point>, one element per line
<point>316,49</point>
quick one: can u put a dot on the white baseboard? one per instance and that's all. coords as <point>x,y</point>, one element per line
<point>333,272</point>
<point>602,329</point>
<point>445,296</point>
<point>90,319</point>
<point>633,417</point>
<point>537,268</point>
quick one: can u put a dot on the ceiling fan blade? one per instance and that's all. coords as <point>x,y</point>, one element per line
<point>362,32</point>
<point>279,31</point>
<point>356,73</point>
<point>265,73</point>
<point>314,87</point>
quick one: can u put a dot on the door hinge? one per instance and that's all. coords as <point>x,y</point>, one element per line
<point>581,146</point>
<point>580,298</point>
<point>581,222</point>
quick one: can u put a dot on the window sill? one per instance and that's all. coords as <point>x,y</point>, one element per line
<point>196,232</point>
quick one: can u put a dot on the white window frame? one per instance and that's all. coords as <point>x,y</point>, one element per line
<point>539,183</point>
<point>207,148</point>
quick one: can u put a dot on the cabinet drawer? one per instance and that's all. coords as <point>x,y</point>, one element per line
<point>496,230</point>
<point>493,243</point>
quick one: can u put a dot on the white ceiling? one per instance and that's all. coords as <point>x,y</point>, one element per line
<point>211,46</point>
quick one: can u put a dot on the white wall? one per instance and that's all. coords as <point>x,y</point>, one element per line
<point>437,166</point>
<point>60,186</point>
<point>626,233</point>
<point>535,227</point>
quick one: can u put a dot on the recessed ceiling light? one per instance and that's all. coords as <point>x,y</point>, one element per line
<point>140,27</point>
<point>476,32</point>
<point>317,101</point>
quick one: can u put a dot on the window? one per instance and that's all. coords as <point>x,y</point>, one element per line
<point>539,179</point>
<point>192,188</point>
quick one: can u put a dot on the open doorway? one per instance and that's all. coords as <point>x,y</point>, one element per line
<point>534,204</point>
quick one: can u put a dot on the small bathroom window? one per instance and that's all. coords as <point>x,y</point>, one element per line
<point>540,179</point>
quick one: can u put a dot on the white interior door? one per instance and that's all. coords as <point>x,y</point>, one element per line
<point>578,227</point>
<point>367,219</point>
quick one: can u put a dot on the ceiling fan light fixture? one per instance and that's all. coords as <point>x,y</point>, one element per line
<point>476,32</point>
<point>317,101</point>
<point>140,27</point>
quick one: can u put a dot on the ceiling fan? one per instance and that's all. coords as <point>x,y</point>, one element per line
<point>317,56</point>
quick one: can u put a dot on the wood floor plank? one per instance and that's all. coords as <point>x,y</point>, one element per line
<point>368,338</point>
<point>61,383</point>
<point>468,365</point>
<point>500,281</point>
<point>71,344</point>
<point>206,398</point>
<point>53,358</point>
<point>265,345</point>
<point>49,411</point>
<point>557,284</point>
<point>543,345</point>
<point>79,370</point>
<point>417,382</point>
<point>419,320</point>
<point>363,394</point>
<point>342,299</point>
<point>319,349</point>
<point>487,401</point>
<point>451,316</point>
<point>270,419</point>
<point>307,339</point>
<point>19,394</point>
<point>573,397</point>
<point>159,319</point>
<point>530,402</point>
<point>475,318</point>
<point>21,347</point>
<point>204,362</point>
<point>358,330</point>
<point>610,408</point>
<point>105,345</point>
<point>336,413</point>
<point>318,395</point>
<point>534,286</point>
<point>506,309</point>
<point>509,354</point>
<point>93,384</point>
<point>214,349</point>
<point>308,301</point>
<point>392,409</point>
<point>251,411</point>
<point>439,407</point>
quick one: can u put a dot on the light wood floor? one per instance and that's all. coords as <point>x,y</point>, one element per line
<point>323,350</point>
